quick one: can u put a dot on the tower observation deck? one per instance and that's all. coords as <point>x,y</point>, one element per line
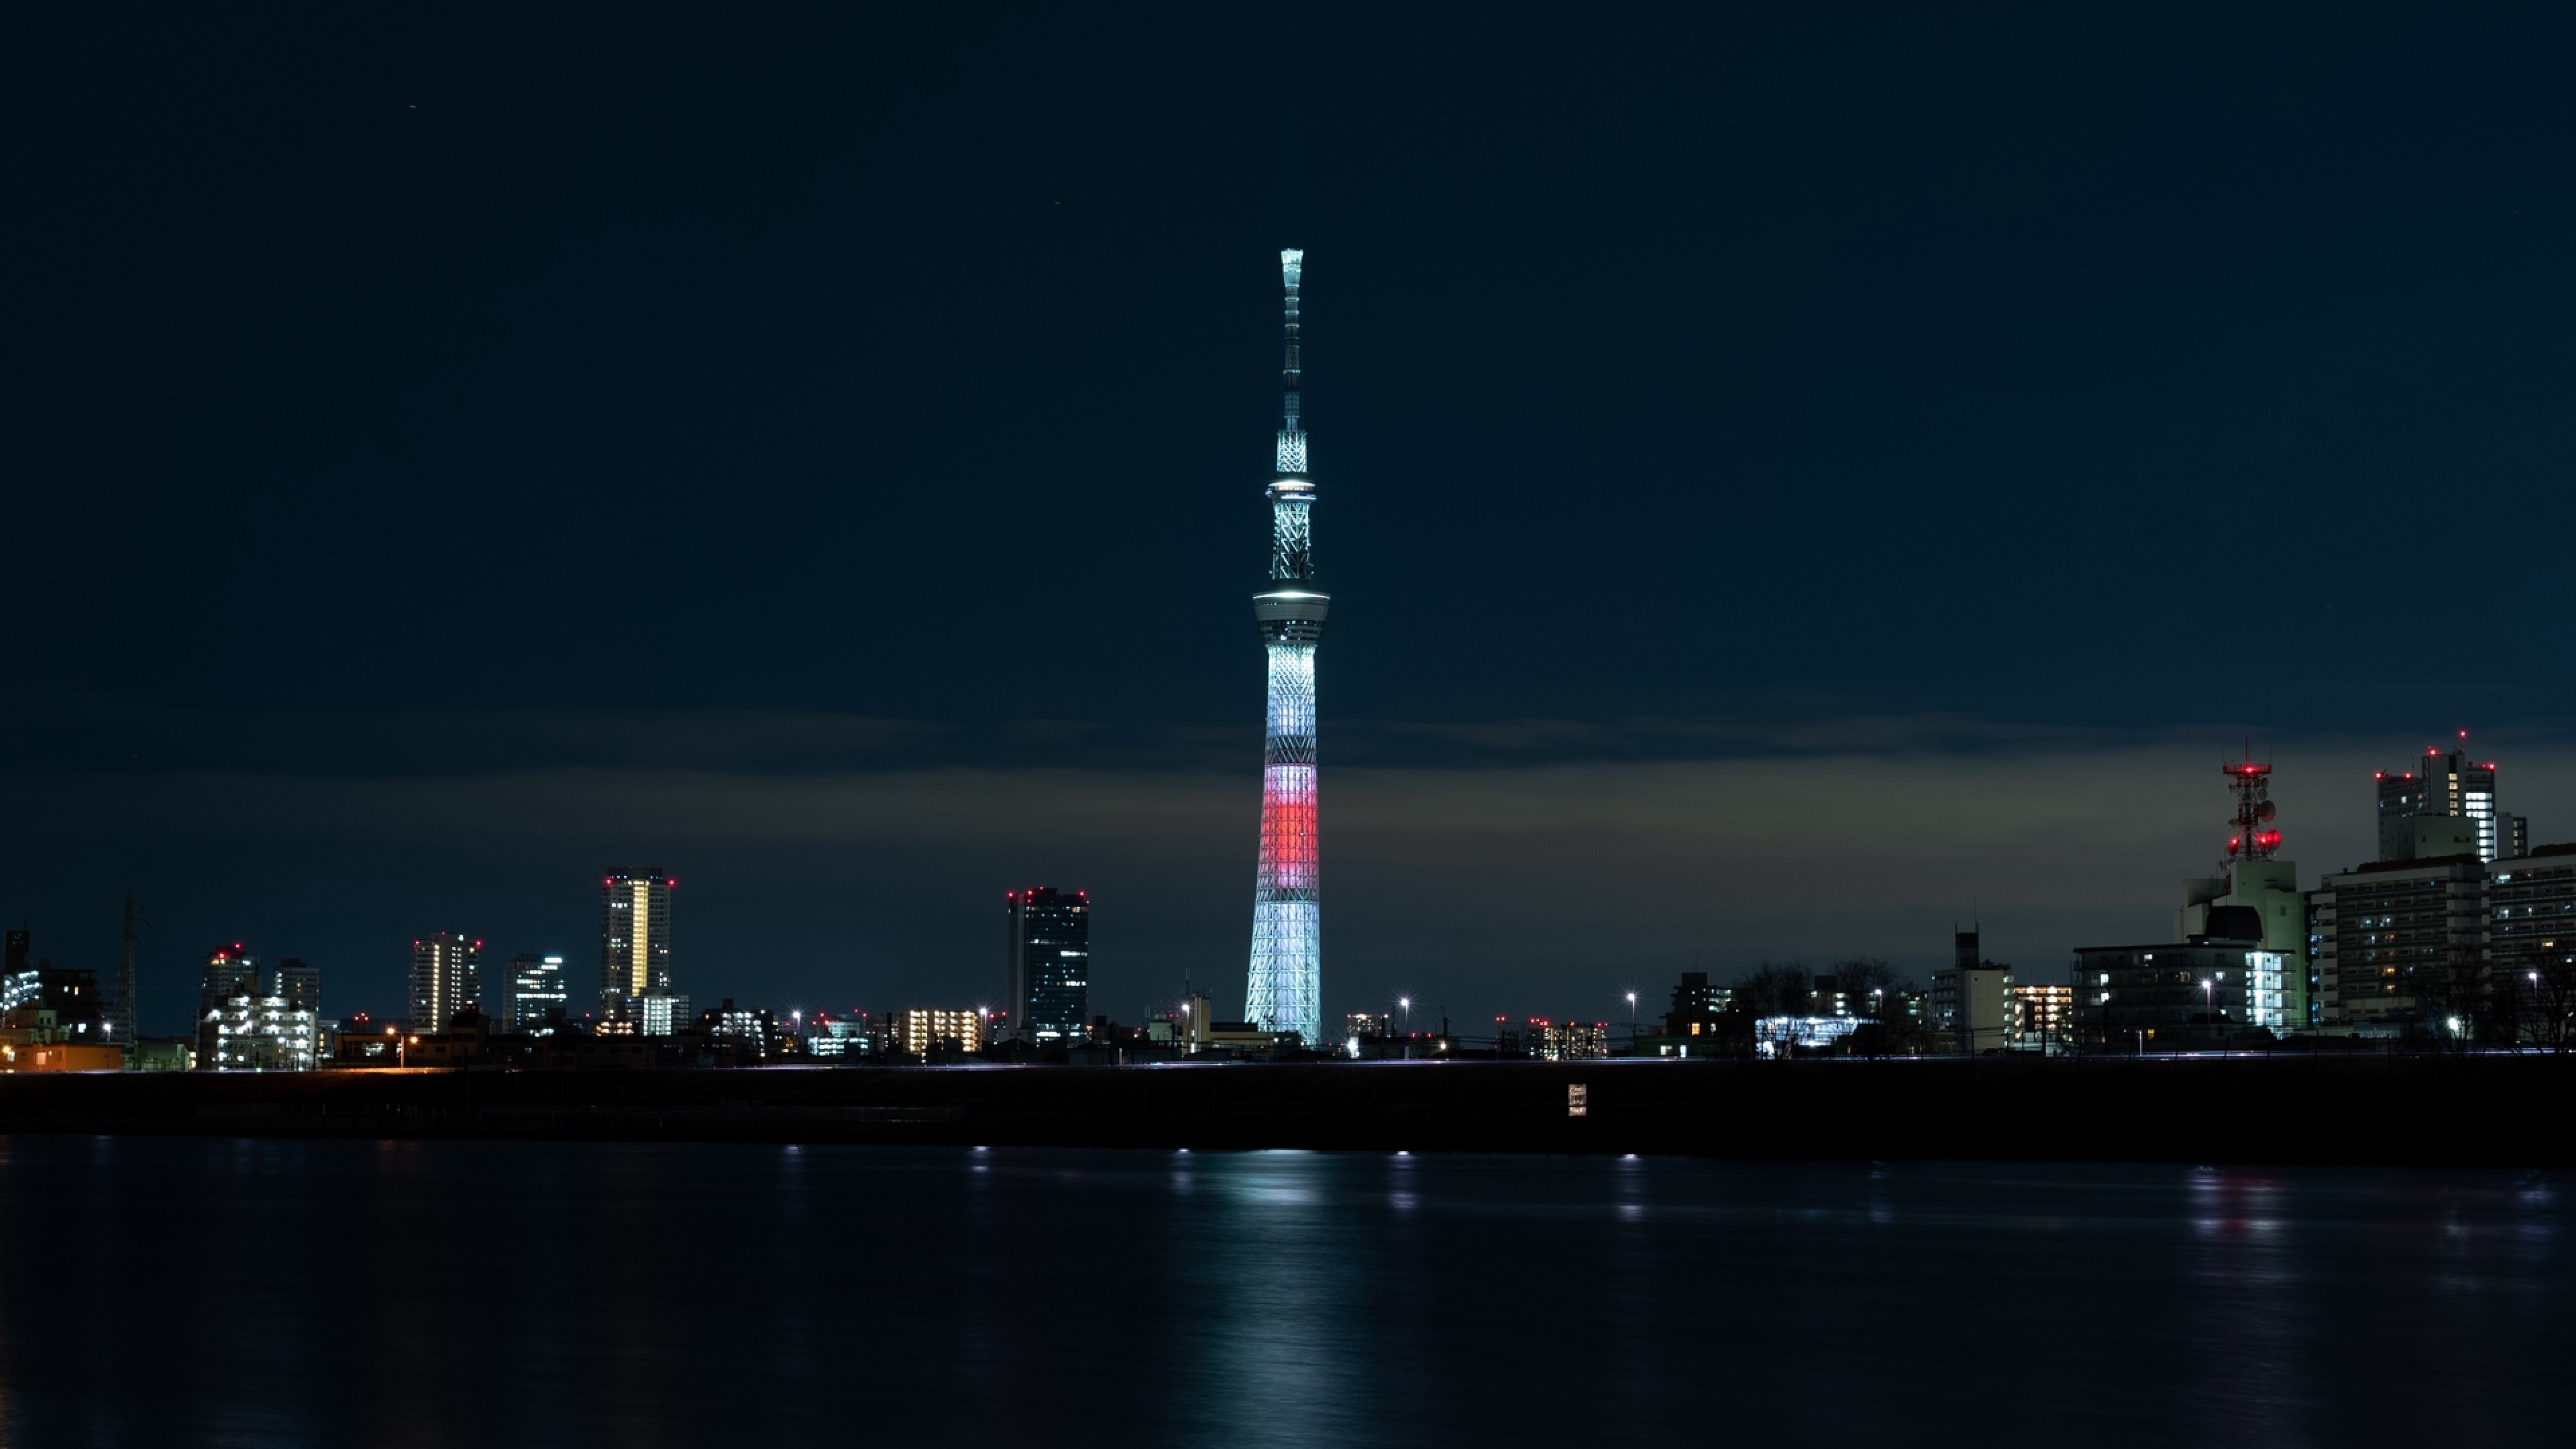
<point>1285,990</point>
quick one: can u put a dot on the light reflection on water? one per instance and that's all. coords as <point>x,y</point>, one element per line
<point>250,1292</point>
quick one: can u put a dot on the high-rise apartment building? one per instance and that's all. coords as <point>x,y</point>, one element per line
<point>2393,935</point>
<point>299,984</point>
<point>2446,787</point>
<point>228,972</point>
<point>536,992</point>
<point>2043,1016</point>
<point>661,1013</point>
<point>634,938</point>
<point>1565,1041</point>
<point>262,1034</point>
<point>446,978</point>
<point>1047,940</point>
<point>2531,915</point>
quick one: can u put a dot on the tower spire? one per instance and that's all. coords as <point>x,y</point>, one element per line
<point>1292,432</point>
<point>1284,989</point>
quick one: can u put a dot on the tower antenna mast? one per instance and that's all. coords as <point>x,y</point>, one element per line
<point>2251,835</point>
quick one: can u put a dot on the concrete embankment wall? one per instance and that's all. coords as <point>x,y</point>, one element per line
<point>2511,1111</point>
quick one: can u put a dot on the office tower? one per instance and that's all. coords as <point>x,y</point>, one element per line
<point>2448,788</point>
<point>227,973</point>
<point>1285,990</point>
<point>1047,940</point>
<point>446,978</point>
<point>634,938</point>
<point>536,988</point>
<point>299,985</point>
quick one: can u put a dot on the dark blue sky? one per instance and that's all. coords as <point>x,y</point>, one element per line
<point>821,455</point>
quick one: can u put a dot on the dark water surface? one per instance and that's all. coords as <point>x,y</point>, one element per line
<point>250,1292</point>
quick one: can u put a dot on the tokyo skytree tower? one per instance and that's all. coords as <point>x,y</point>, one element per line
<point>1287,980</point>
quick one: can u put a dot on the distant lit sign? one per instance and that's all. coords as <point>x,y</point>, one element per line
<point>1576,1102</point>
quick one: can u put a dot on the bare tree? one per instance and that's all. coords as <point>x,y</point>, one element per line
<point>1768,990</point>
<point>2450,991</point>
<point>2533,1001</point>
<point>1867,982</point>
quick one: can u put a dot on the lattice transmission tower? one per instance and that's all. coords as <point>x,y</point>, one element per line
<point>1286,990</point>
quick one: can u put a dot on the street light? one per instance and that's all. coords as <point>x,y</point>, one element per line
<point>1406,1002</point>
<point>1632,1023</point>
<point>2209,1005</point>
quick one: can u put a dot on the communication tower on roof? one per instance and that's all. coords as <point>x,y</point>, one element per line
<point>2251,836</point>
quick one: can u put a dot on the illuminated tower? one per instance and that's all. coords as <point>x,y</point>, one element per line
<point>1286,992</point>
<point>634,940</point>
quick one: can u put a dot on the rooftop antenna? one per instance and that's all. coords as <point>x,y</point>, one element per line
<point>2251,836</point>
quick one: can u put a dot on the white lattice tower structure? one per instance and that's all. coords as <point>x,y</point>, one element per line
<point>1286,991</point>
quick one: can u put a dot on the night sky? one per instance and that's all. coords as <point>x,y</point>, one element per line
<point>1789,480</point>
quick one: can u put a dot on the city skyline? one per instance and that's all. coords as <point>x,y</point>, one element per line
<point>1770,493</point>
<point>2335,826</point>
<point>1947,720</point>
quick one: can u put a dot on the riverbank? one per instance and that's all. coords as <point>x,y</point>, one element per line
<point>2505,1111</point>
